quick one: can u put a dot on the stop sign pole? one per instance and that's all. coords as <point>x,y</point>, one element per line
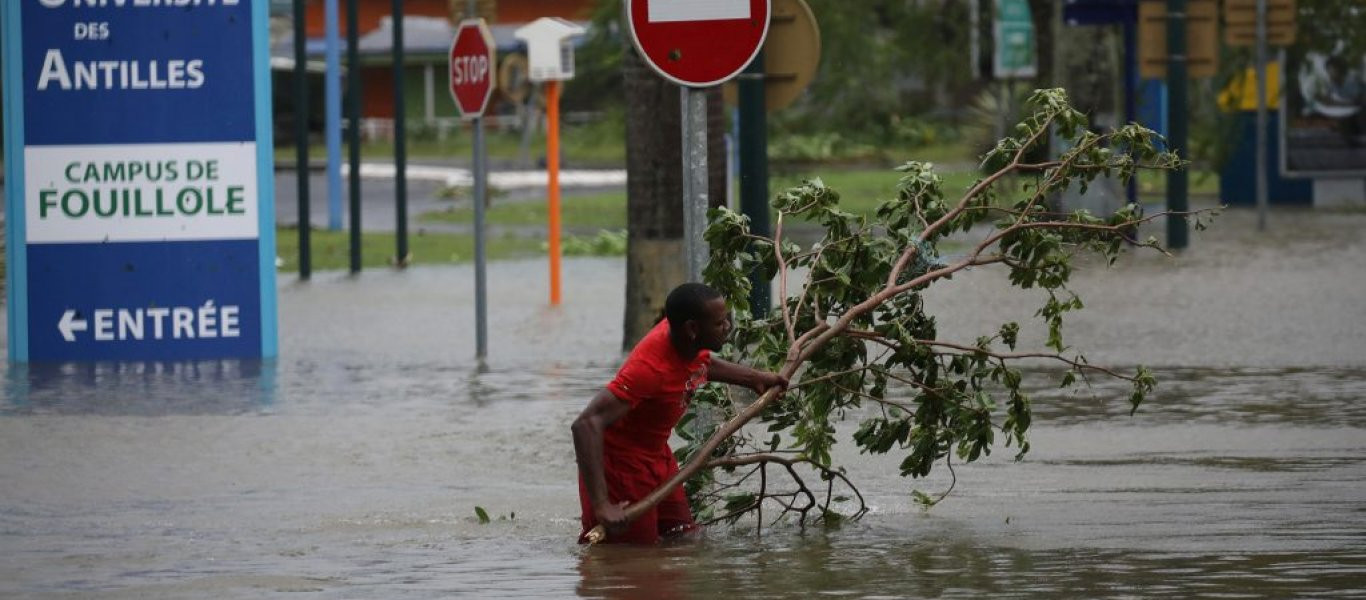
<point>471,67</point>
<point>697,45</point>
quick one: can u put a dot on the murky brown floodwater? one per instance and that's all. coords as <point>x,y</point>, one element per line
<point>350,467</point>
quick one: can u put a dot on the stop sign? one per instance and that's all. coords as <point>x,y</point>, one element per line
<point>698,43</point>
<point>471,68</point>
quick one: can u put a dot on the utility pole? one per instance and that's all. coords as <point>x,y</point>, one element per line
<point>1177,180</point>
<point>754,170</point>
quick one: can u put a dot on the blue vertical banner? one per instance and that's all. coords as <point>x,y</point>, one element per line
<point>139,159</point>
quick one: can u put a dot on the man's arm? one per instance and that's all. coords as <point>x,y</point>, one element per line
<point>725,371</point>
<point>588,428</point>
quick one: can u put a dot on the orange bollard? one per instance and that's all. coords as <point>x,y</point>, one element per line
<point>552,160</point>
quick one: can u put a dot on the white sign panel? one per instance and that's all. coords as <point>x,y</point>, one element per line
<point>668,11</point>
<point>141,192</point>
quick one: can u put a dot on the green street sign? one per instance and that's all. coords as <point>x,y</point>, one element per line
<point>1014,36</point>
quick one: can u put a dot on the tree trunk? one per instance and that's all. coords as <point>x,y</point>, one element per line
<point>1041,14</point>
<point>655,261</point>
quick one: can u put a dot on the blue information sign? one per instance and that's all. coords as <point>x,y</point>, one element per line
<point>139,180</point>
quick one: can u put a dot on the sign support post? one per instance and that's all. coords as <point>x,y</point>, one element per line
<point>695,201</point>
<point>1261,116</point>
<point>754,171</point>
<point>551,57</point>
<point>400,142</point>
<point>301,110</point>
<point>471,84</point>
<point>697,45</point>
<point>353,99</point>
<point>332,101</point>
<point>481,290</point>
<point>1177,231</point>
<point>481,174</point>
<point>552,165</point>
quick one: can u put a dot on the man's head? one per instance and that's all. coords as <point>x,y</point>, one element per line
<point>698,316</point>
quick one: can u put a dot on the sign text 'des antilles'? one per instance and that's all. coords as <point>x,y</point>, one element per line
<point>138,133</point>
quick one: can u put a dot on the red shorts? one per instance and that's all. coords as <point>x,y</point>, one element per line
<point>629,480</point>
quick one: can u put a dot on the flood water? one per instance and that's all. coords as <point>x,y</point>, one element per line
<point>350,467</point>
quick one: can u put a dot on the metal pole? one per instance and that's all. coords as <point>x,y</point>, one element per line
<point>754,170</point>
<point>480,287</point>
<point>694,106</point>
<point>1176,111</point>
<point>353,118</point>
<point>301,139</point>
<point>480,194</point>
<point>1261,116</point>
<point>400,140</point>
<point>552,163</point>
<point>1131,93</point>
<point>974,52</point>
<point>332,101</point>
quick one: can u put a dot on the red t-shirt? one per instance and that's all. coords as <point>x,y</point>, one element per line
<point>656,382</point>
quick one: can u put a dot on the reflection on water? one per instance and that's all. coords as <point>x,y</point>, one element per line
<point>872,564</point>
<point>139,388</point>
<point>1275,396</point>
<point>357,478</point>
<point>1248,396</point>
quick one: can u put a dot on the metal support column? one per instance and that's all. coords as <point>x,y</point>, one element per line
<point>1261,182</point>
<point>353,99</point>
<point>694,102</point>
<point>400,142</point>
<point>1177,180</point>
<point>301,139</point>
<point>754,170</point>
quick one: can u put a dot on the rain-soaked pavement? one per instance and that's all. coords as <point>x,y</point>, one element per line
<point>351,466</point>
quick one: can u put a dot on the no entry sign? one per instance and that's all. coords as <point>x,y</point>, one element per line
<point>471,68</point>
<point>698,43</point>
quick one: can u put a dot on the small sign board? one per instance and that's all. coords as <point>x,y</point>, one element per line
<point>1202,44</point>
<point>550,48</point>
<point>1240,22</point>
<point>792,53</point>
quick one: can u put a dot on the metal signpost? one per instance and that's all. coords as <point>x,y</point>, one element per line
<point>697,45</point>
<point>1177,43</point>
<point>471,66</point>
<point>1178,233</point>
<point>139,172</point>
<point>332,103</point>
<point>1260,23</point>
<point>780,74</point>
<point>354,97</point>
<point>1262,201</point>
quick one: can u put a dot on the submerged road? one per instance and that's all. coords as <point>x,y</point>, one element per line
<point>351,466</point>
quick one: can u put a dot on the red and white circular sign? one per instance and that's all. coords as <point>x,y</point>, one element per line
<point>698,43</point>
<point>471,68</point>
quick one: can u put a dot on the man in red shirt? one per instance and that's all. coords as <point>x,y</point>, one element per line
<point>621,440</point>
